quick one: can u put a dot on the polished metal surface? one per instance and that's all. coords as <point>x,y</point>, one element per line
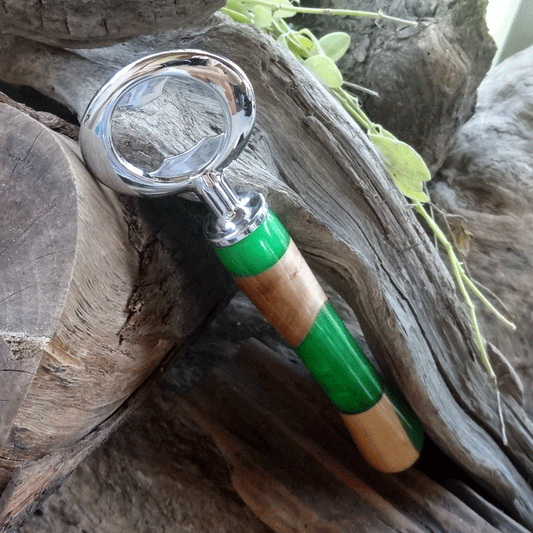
<point>248,214</point>
<point>197,170</point>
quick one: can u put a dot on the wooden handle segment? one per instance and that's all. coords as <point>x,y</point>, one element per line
<point>269,268</point>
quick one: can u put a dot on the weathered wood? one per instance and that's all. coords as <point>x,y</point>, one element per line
<point>99,23</point>
<point>483,507</point>
<point>289,437</point>
<point>90,305</point>
<point>47,119</point>
<point>426,76</point>
<point>15,379</point>
<point>158,472</point>
<point>296,468</point>
<point>485,186</point>
<point>354,228</point>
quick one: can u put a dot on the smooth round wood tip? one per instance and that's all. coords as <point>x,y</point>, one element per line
<point>381,437</point>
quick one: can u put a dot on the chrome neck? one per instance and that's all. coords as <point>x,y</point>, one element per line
<point>217,194</point>
<point>233,216</point>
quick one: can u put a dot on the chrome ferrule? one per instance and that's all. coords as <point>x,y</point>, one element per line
<point>246,216</point>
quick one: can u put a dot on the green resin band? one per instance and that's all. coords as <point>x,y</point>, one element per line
<point>338,364</point>
<point>258,251</point>
<point>408,419</point>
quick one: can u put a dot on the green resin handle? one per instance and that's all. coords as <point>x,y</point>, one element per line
<point>269,268</point>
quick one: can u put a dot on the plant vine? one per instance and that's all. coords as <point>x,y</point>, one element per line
<point>405,166</point>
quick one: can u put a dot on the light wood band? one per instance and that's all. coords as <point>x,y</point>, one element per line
<point>381,438</point>
<point>287,294</point>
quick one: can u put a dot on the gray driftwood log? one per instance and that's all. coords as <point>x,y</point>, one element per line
<point>485,187</point>
<point>99,22</point>
<point>329,188</point>
<point>83,329</point>
<point>447,53</point>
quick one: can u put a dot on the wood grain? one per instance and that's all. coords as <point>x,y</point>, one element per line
<point>88,307</point>
<point>15,380</point>
<point>381,438</point>
<point>485,186</point>
<point>287,294</point>
<point>280,436</point>
<point>329,188</point>
<point>446,56</point>
<point>99,23</point>
<point>297,469</point>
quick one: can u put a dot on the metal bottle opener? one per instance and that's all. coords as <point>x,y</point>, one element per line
<point>198,170</point>
<point>251,242</point>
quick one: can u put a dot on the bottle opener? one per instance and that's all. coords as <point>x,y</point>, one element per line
<point>251,242</point>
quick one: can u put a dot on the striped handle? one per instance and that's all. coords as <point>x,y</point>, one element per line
<point>269,268</point>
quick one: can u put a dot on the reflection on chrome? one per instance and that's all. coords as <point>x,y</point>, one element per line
<point>197,170</point>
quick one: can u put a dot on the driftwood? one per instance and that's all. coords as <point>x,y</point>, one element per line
<point>100,22</point>
<point>485,188</point>
<point>83,331</point>
<point>290,458</point>
<point>329,188</point>
<point>49,120</point>
<point>448,53</point>
<point>159,472</point>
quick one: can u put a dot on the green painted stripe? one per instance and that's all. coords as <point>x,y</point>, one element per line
<point>257,252</point>
<point>409,420</point>
<point>338,364</point>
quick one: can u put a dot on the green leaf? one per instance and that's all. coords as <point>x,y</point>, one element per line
<point>236,16</point>
<point>238,11</point>
<point>281,13</point>
<point>234,5</point>
<point>262,16</point>
<point>298,45</point>
<point>325,70</point>
<point>333,45</point>
<point>406,168</point>
<point>238,7</point>
<point>306,43</point>
<point>377,129</point>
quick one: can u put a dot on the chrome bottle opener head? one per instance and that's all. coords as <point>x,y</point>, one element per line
<point>197,170</point>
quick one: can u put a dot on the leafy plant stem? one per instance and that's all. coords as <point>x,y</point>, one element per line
<point>483,299</point>
<point>406,168</point>
<point>280,27</point>
<point>460,278</point>
<point>350,104</point>
<point>331,12</point>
